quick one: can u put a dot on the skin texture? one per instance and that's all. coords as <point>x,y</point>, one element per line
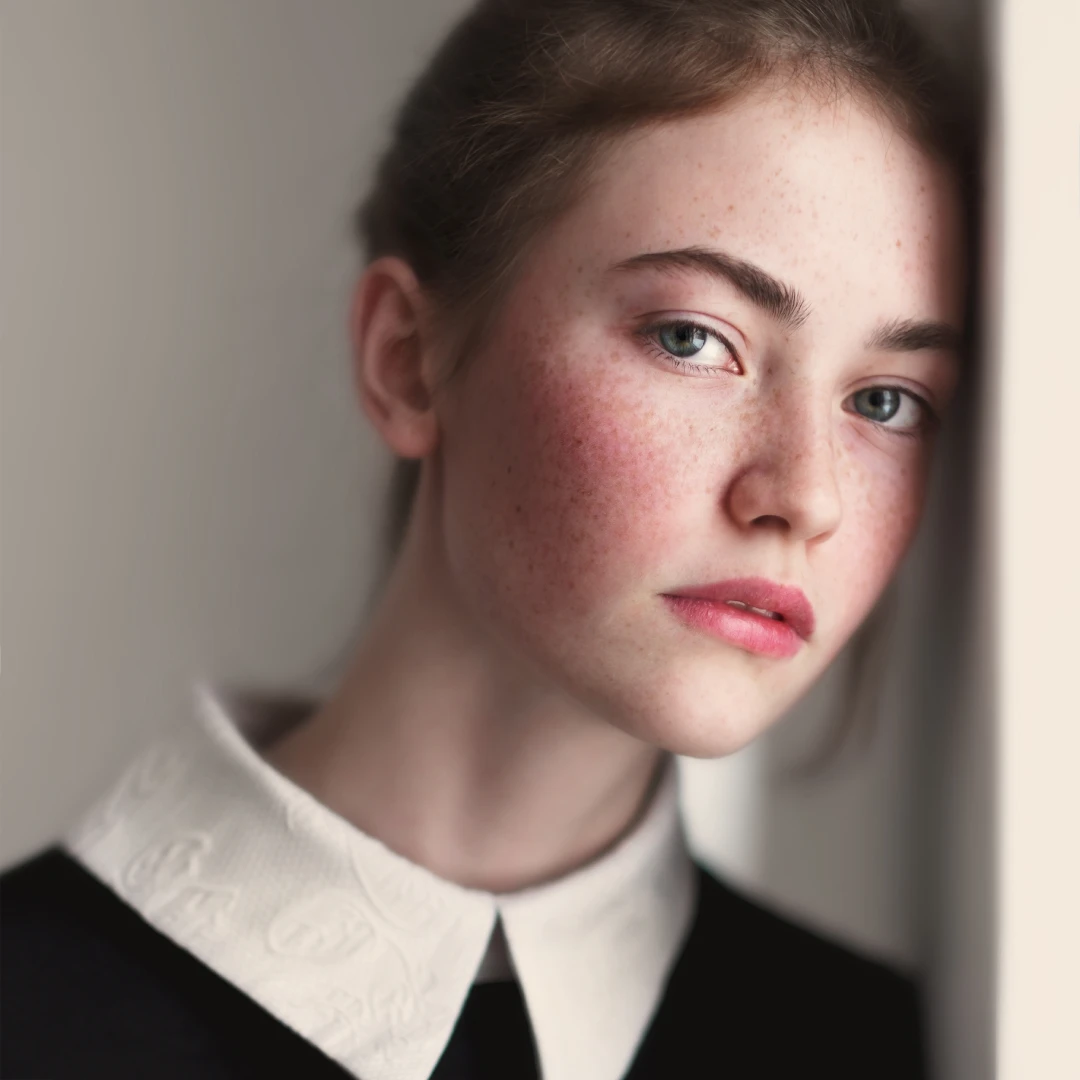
<point>523,675</point>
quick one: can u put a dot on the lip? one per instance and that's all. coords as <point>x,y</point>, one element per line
<point>706,607</point>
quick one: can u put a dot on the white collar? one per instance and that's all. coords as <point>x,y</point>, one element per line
<point>368,956</point>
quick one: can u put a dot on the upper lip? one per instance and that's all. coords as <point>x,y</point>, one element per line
<point>786,601</point>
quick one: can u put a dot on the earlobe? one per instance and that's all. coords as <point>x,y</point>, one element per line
<point>390,367</point>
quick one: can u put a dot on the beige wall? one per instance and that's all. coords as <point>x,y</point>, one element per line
<point>1037,526</point>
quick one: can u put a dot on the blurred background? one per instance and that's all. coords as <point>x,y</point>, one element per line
<point>189,487</point>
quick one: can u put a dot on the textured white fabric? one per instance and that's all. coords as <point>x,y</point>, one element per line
<point>368,956</point>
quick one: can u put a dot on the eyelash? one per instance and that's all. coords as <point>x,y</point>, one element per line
<point>646,332</point>
<point>925,426</point>
<point>929,417</point>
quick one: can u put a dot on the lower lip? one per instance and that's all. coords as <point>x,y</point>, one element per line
<point>755,633</point>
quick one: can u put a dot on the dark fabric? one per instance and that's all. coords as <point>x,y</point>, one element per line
<point>89,989</point>
<point>754,995</point>
<point>492,1039</point>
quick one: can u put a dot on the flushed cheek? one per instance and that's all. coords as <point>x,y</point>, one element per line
<point>585,493</point>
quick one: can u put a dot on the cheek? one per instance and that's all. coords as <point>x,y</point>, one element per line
<point>883,498</point>
<point>571,481</point>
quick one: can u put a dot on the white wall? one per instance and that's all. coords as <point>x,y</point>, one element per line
<point>187,482</point>
<point>189,486</point>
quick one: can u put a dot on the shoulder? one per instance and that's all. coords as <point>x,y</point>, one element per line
<point>785,997</point>
<point>91,989</point>
<point>772,942</point>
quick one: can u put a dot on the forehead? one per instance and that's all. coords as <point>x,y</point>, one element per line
<point>828,196</point>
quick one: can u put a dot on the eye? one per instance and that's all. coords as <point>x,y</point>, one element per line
<point>691,346</point>
<point>894,408</point>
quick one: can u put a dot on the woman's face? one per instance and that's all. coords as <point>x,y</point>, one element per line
<point>642,423</point>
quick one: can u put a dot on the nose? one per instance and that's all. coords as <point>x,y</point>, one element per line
<point>788,481</point>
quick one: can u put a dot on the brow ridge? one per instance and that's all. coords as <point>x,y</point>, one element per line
<point>785,304</point>
<point>910,335</point>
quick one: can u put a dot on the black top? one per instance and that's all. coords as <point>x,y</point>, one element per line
<point>89,989</point>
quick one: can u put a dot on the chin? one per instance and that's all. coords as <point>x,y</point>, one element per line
<point>716,733</point>
<point>712,715</point>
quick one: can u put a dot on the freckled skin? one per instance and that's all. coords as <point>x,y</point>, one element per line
<point>584,477</point>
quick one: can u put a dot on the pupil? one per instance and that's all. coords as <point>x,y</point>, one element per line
<point>683,339</point>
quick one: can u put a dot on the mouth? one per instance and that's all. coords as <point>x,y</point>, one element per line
<point>756,613</point>
<point>756,610</point>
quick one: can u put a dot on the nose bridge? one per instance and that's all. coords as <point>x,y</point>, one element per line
<point>791,472</point>
<point>801,437</point>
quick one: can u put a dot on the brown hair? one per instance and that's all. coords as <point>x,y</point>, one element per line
<point>497,135</point>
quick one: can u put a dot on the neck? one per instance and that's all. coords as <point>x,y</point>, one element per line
<point>454,752</point>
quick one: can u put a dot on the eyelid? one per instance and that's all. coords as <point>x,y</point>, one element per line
<point>930,417</point>
<point>922,395</point>
<point>900,382</point>
<point>727,331</point>
<point>677,318</point>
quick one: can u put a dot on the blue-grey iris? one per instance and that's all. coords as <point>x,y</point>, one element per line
<point>679,336</point>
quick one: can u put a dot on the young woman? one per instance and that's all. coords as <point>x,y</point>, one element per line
<point>664,303</point>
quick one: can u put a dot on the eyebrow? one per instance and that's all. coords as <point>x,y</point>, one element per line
<point>784,303</point>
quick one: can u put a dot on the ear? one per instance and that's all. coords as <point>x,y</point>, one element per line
<point>393,362</point>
